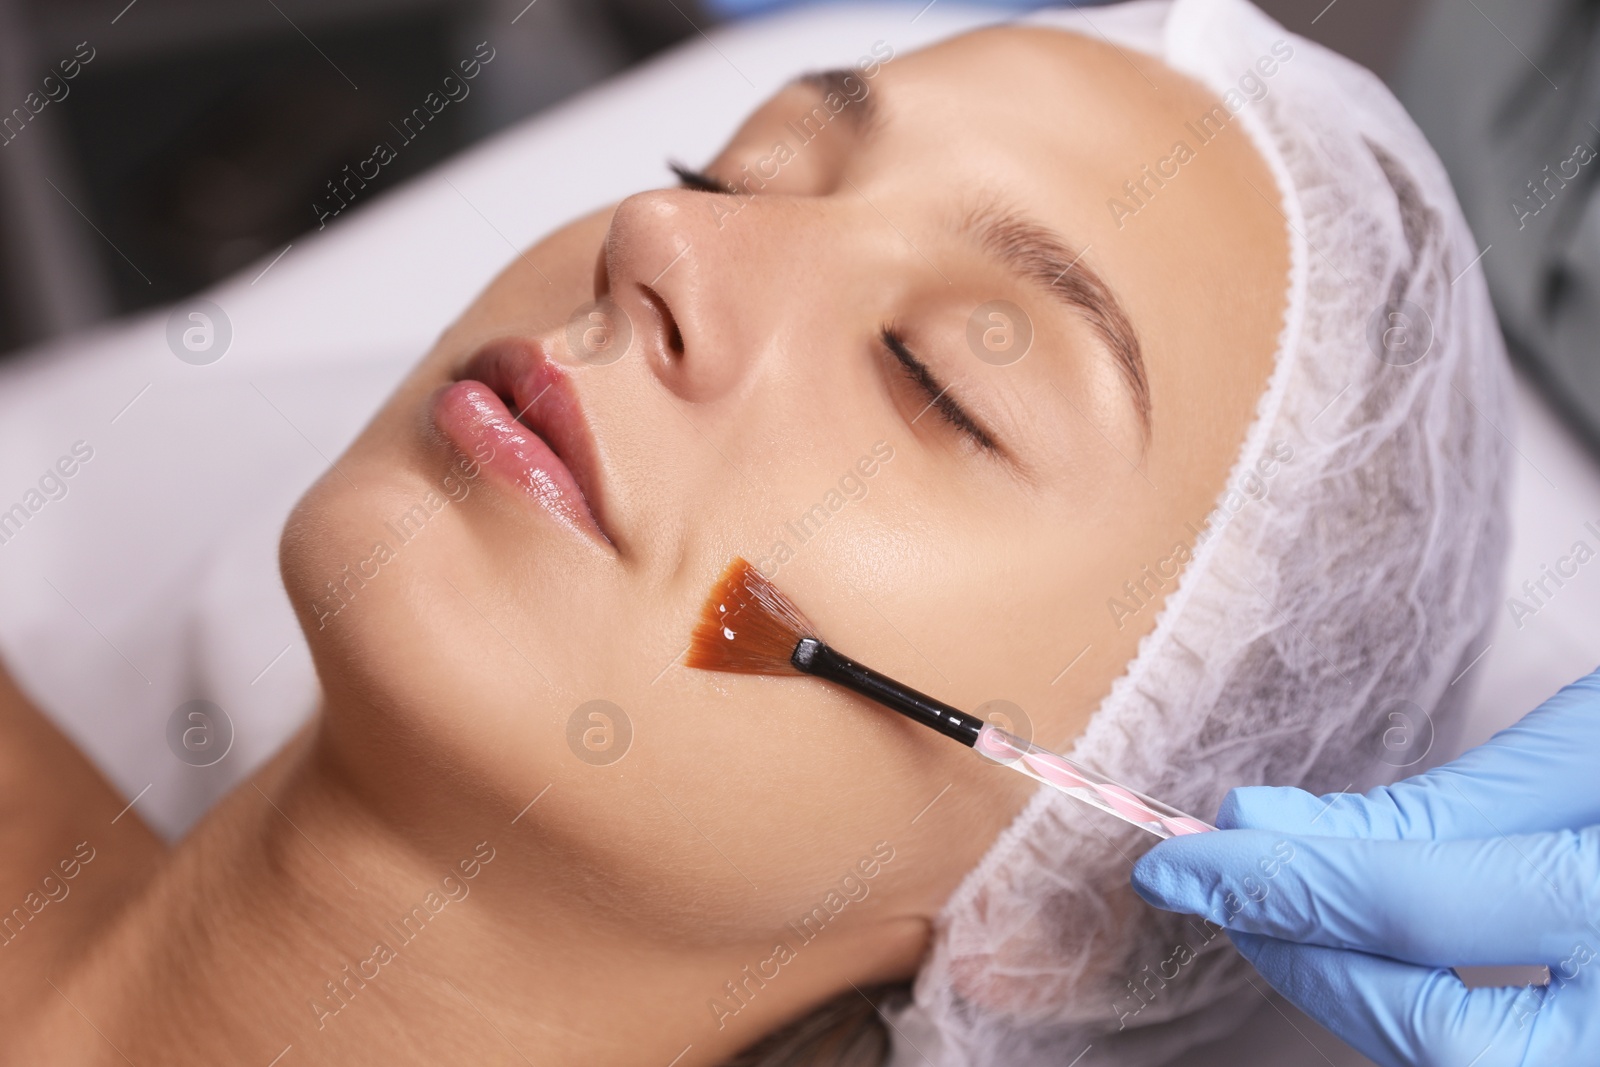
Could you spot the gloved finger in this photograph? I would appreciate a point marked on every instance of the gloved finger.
(1401, 1014)
(1533, 776)
(1519, 900)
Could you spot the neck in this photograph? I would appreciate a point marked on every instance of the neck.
(296, 922)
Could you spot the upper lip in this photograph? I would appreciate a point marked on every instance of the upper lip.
(541, 397)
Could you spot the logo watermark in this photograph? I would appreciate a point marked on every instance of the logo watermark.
(1407, 732)
(51, 485)
(1008, 716)
(1147, 983)
(999, 333)
(598, 333)
(53, 89)
(199, 332)
(599, 732)
(1542, 191)
(1144, 588)
(1400, 333)
(199, 733)
(839, 93)
(1552, 578)
(453, 89)
(403, 529)
(851, 488)
(739, 991)
(339, 992)
(1251, 87)
(53, 889)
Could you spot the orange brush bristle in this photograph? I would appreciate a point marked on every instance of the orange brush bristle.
(747, 625)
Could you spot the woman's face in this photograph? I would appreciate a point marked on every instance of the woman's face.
(953, 515)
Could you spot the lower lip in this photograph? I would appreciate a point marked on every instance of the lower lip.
(479, 424)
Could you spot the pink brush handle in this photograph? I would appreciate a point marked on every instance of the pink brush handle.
(1080, 783)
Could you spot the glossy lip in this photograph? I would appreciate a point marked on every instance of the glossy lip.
(510, 401)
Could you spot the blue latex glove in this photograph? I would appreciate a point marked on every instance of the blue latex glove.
(1355, 907)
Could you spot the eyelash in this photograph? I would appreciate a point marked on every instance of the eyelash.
(698, 180)
(938, 396)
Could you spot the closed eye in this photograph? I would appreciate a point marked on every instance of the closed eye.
(938, 395)
(698, 180)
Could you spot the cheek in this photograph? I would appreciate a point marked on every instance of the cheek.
(795, 783)
(976, 598)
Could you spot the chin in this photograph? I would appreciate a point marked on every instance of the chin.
(410, 567)
(364, 536)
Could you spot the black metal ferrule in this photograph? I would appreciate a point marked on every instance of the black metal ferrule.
(817, 659)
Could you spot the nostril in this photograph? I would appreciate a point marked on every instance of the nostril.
(674, 337)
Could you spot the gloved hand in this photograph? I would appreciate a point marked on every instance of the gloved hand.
(1355, 907)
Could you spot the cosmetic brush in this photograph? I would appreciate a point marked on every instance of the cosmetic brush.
(748, 626)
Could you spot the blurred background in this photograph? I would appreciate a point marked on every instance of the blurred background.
(196, 135)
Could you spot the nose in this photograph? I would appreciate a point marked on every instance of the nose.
(673, 274)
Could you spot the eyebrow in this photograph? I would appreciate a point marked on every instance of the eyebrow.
(1028, 249)
(1039, 255)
